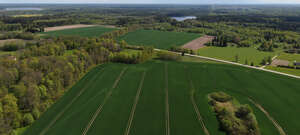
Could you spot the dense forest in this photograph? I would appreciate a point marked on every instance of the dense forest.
(42, 69)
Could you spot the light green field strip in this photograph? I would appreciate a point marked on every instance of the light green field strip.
(108, 95)
(137, 97)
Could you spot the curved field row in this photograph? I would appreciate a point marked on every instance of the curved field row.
(181, 89)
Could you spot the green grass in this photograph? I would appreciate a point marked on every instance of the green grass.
(158, 39)
(229, 53)
(20, 131)
(83, 32)
(278, 94)
(285, 70)
(194, 59)
(289, 57)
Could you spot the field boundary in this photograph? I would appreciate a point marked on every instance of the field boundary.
(233, 63)
(99, 109)
(199, 117)
(135, 104)
(67, 107)
(167, 101)
(275, 123)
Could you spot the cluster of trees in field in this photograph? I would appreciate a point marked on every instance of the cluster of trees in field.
(234, 119)
(43, 71)
(168, 56)
(134, 58)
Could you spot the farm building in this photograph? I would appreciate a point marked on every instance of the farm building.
(283, 63)
(297, 64)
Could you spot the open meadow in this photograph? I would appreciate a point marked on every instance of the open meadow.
(93, 31)
(230, 53)
(158, 39)
(157, 97)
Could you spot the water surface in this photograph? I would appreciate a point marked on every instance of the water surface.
(182, 18)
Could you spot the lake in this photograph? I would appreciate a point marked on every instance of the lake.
(182, 18)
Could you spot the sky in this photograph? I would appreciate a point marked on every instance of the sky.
(160, 1)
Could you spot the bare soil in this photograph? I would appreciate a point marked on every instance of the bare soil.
(198, 43)
(278, 62)
(67, 27)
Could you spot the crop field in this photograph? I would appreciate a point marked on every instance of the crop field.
(229, 53)
(83, 32)
(167, 98)
(159, 39)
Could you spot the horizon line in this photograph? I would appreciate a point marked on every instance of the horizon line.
(85, 3)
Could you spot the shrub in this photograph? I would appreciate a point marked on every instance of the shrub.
(243, 111)
(167, 56)
(12, 46)
(220, 96)
(28, 119)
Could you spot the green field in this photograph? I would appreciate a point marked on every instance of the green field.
(289, 57)
(285, 70)
(229, 53)
(106, 95)
(83, 32)
(158, 39)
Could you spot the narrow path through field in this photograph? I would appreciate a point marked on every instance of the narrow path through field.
(127, 131)
(167, 101)
(275, 123)
(66, 108)
(200, 119)
(108, 95)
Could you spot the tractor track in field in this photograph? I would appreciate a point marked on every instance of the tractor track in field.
(99, 109)
(135, 104)
(167, 101)
(199, 117)
(275, 123)
(65, 109)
